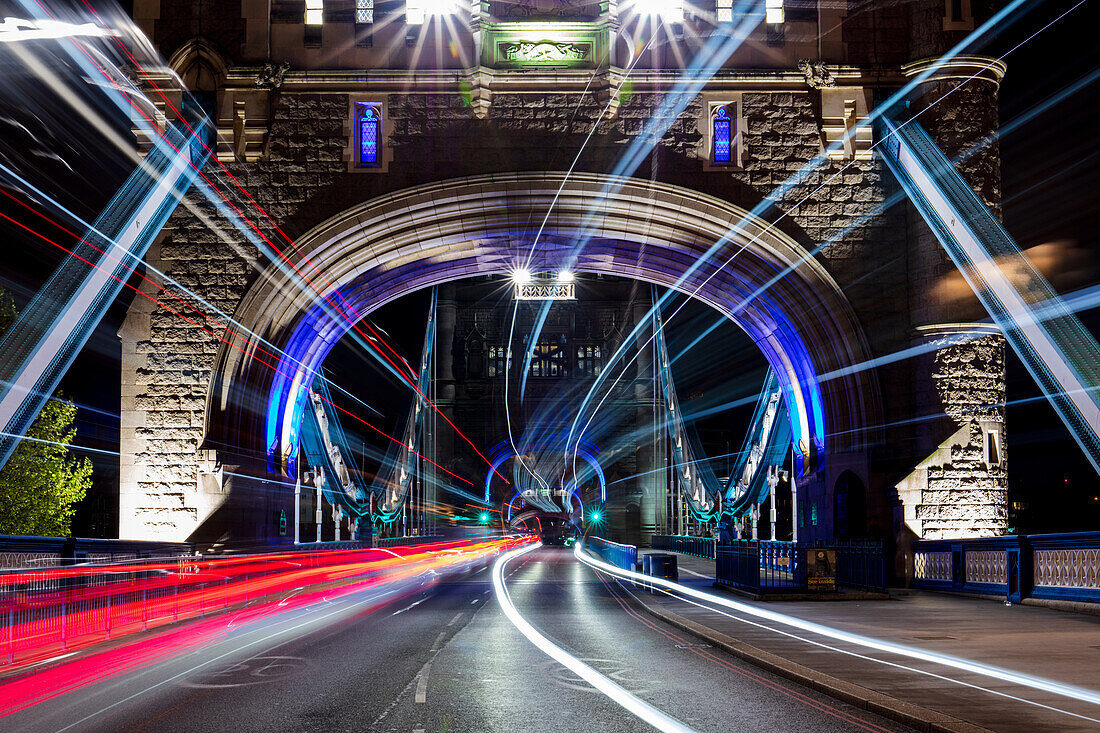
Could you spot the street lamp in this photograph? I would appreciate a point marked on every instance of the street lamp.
(671, 11)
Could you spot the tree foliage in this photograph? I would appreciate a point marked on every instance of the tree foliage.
(42, 480)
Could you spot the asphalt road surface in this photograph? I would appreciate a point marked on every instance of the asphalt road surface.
(444, 657)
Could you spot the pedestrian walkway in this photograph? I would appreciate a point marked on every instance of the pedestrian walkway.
(1044, 643)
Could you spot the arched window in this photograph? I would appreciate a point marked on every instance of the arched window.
(723, 135)
(368, 136)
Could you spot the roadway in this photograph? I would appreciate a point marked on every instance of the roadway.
(444, 657)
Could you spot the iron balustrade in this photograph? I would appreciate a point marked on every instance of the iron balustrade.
(764, 566)
(48, 611)
(687, 545)
(410, 540)
(613, 553)
(1049, 566)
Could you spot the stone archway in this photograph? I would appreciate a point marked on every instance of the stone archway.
(449, 230)
(379, 250)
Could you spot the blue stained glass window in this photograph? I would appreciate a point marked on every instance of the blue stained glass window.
(368, 137)
(364, 11)
(722, 127)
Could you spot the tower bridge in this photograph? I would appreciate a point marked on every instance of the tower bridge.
(470, 159)
(457, 279)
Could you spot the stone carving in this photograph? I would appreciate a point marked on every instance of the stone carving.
(817, 76)
(541, 52)
(271, 76)
(986, 566)
(545, 9)
(1068, 568)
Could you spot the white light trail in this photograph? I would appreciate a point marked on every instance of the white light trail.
(986, 670)
(22, 29)
(646, 712)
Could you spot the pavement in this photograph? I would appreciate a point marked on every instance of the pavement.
(444, 657)
(1045, 643)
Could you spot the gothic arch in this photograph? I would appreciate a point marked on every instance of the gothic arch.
(379, 250)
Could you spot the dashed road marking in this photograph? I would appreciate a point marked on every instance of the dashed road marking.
(406, 608)
(697, 575)
(455, 619)
(422, 683)
(438, 641)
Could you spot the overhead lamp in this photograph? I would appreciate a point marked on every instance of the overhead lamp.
(773, 12)
(671, 11)
(417, 11)
(521, 276)
(565, 276)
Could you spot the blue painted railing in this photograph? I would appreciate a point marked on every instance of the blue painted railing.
(411, 540)
(613, 553)
(780, 567)
(22, 551)
(1049, 566)
(697, 546)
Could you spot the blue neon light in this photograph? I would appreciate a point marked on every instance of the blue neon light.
(722, 129)
(368, 137)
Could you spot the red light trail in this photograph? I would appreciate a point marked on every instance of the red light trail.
(60, 611)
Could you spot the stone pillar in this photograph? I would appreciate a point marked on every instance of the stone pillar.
(961, 489)
(959, 486)
(442, 435)
(644, 394)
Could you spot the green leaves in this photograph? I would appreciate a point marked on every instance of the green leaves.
(42, 480)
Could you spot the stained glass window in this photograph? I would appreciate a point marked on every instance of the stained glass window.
(589, 360)
(498, 361)
(723, 9)
(549, 360)
(723, 127)
(368, 136)
(364, 11)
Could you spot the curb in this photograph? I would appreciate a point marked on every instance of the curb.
(906, 713)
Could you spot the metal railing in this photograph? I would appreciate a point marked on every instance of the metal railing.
(697, 546)
(613, 553)
(768, 566)
(410, 540)
(1049, 566)
(48, 611)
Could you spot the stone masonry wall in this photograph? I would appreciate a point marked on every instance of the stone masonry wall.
(169, 484)
(967, 496)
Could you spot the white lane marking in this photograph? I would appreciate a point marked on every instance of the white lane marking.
(422, 683)
(406, 608)
(418, 730)
(657, 718)
(867, 657)
(473, 601)
(697, 575)
(455, 619)
(1005, 675)
(44, 661)
(438, 641)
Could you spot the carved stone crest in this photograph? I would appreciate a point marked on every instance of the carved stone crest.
(817, 75)
(271, 76)
(543, 52)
